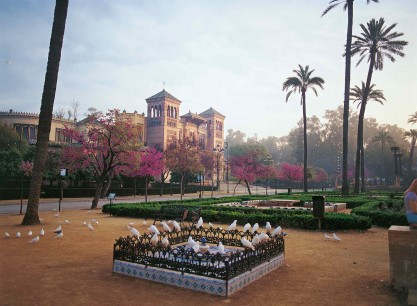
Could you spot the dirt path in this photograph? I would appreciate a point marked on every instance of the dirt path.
(77, 269)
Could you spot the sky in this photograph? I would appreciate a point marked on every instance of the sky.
(230, 55)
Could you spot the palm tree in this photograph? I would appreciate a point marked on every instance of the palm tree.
(348, 4)
(384, 138)
(375, 43)
(301, 83)
(45, 116)
(356, 95)
(412, 135)
(413, 118)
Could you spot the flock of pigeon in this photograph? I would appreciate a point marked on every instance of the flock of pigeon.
(195, 245)
(59, 233)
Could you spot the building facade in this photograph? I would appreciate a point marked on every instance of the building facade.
(161, 123)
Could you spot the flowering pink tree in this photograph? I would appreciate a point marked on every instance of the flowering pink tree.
(151, 164)
(104, 148)
(267, 172)
(26, 167)
(320, 175)
(244, 168)
(291, 172)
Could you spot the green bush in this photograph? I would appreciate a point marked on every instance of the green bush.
(384, 212)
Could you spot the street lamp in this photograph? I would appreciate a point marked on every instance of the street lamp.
(396, 151)
(218, 150)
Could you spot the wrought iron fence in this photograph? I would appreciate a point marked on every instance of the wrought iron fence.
(178, 257)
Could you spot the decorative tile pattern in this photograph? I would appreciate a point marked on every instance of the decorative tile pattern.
(197, 282)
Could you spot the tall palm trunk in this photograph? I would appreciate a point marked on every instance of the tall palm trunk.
(359, 147)
(383, 159)
(45, 116)
(411, 156)
(303, 95)
(345, 183)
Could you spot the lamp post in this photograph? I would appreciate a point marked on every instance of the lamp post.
(395, 151)
(218, 150)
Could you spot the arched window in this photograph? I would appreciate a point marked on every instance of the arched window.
(175, 112)
(160, 111)
(152, 112)
(168, 111)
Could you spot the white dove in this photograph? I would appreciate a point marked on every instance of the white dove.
(144, 222)
(247, 243)
(60, 235)
(96, 222)
(42, 233)
(165, 242)
(211, 225)
(6, 235)
(30, 233)
(18, 235)
(66, 221)
(166, 226)
(196, 247)
(34, 240)
(154, 229)
(134, 232)
(191, 241)
(200, 222)
(336, 238)
(154, 239)
(58, 229)
(56, 215)
(327, 237)
(255, 240)
(268, 227)
(176, 226)
(232, 226)
(255, 228)
(263, 237)
(90, 227)
(131, 223)
(84, 223)
(277, 231)
(247, 227)
(220, 247)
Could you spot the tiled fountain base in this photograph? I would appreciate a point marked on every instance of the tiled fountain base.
(197, 282)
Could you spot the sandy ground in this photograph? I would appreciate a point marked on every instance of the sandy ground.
(77, 269)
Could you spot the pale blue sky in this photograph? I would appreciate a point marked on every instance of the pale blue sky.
(229, 55)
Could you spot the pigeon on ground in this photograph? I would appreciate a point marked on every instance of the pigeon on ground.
(96, 222)
(246, 243)
(247, 227)
(166, 226)
(6, 235)
(60, 235)
(255, 228)
(336, 238)
(277, 231)
(268, 227)
(211, 225)
(56, 215)
(84, 223)
(176, 226)
(131, 223)
(154, 239)
(34, 240)
(42, 233)
(200, 222)
(220, 247)
(232, 226)
(327, 237)
(18, 235)
(154, 229)
(30, 233)
(134, 232)
(66, 221)
(58, 229)
(165, 242)
(90, 227)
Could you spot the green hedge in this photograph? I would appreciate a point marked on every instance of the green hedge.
(384, 212)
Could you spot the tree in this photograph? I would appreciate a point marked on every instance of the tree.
(151, 164)
(45, 116)
(244, 168)
(182, 156)
(413, 118)
(291, 172)
(106, 147)
(375, 43)
(10, 138)
(208, 160)
(267, 172)
(75, 105)
(412, 135)
(348, 4)
(357, 95)
(383, 138)
(302, 83)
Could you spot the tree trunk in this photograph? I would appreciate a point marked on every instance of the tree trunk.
(45, 116)
(247, 186)
(106, 186)
(234, 190)
(411, 156)
(182, 179)
(146, 189)
(362, 168)
(100, 183)
(345, 183)
(212, 185)
(161, 192)
(303, 93)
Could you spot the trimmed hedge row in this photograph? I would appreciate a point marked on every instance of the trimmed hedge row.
(383, 212)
